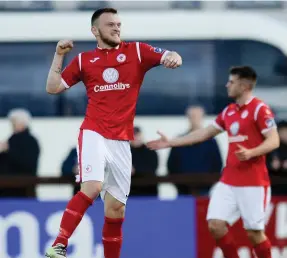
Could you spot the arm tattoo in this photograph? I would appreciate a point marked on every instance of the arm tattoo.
(58, 70)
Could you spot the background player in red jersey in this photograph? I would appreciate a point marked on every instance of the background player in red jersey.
(244, 188)
(112, 74)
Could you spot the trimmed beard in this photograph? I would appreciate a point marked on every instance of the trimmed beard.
(107, 41)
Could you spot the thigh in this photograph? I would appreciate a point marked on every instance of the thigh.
(222, 204)
(91, 156)
(118, 174)
(253, 203)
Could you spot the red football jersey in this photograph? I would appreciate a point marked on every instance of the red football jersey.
(112, 78)
(245, 126)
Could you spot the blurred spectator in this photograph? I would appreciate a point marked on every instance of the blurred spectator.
(70, 167)
(19, 155)
(277, 160)
(204, 157)
(144, 164)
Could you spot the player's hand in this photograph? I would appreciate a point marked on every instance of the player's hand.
(160, 143)
(172, 60)
(64, 46)
(243, 153)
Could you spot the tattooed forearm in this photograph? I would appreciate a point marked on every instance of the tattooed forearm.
(54, 76)
(58, 70)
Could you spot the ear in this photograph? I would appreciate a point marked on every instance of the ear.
(95, 31)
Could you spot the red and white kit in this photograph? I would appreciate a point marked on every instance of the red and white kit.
(112, 78)
(244, 188)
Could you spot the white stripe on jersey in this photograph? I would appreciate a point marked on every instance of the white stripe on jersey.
(138, 51)
(224, 112)
(257, 110)
(80, 61)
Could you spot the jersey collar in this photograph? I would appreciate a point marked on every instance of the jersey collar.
(249, 101)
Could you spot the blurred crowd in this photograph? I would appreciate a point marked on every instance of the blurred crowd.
(19, 155)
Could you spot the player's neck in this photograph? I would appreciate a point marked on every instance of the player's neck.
(244, 99)
(102, 45)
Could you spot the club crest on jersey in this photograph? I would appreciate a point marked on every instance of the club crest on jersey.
(88, 169)
(110, 75)
(121, 58)
(234, 128)
(244, 114)
(158, 50)
(270, 122)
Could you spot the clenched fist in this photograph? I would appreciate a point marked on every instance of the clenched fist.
(64, 46)
(172, 60)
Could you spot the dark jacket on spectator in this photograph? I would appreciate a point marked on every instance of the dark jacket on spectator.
(68, 167)
(22, 155)
(199, 158)
(21, 159)
(69, 163)
(144, 160)
(145, 163)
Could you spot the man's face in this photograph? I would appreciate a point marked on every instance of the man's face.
(235, 87)
(13, 124)
(138, 140)
(195, 116)
(108, 28)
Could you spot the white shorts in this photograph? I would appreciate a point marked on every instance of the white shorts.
(107, 161)
(229, 203)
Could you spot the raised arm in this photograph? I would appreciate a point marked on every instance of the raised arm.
(194, 137)
(54, 83)
(150, 57)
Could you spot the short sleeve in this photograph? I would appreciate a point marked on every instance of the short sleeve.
(219, 121)
(71, 75)
(264, 118)
(150, 56)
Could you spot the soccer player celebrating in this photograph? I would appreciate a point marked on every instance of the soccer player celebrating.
(112, 74)
(244, 188)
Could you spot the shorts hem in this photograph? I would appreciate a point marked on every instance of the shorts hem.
(91, 179)
(254, 228)
(229, 222)
(103, 193)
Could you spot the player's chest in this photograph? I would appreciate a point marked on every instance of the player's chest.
(239, 122)
(109, 67)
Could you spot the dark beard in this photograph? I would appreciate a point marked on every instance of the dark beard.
(107, 41)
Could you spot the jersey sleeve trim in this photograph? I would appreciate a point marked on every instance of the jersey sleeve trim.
(217, 126)
(138, 51)
(163, 56)
(223, 113)
(65, 84)
(257, 109)
(80, 61)
(266, 130)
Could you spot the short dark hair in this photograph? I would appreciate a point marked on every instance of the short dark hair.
(99, 12)
(244, 72)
